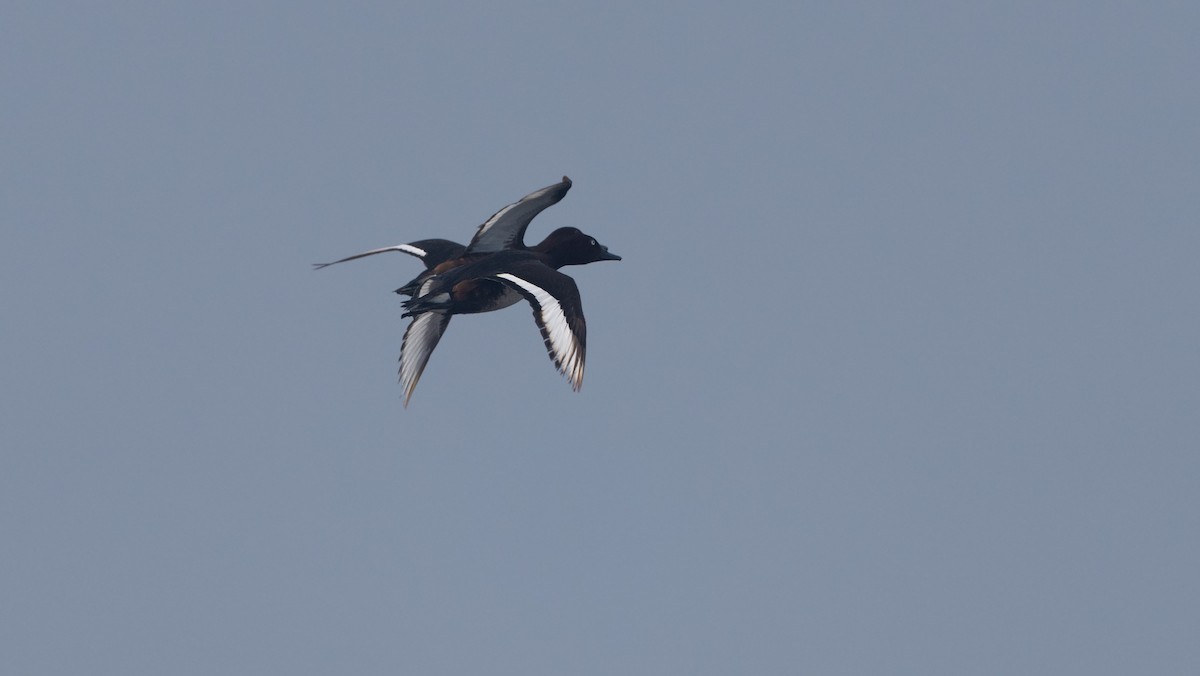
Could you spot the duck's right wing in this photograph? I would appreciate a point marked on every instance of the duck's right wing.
(421, 336)
(558, 313)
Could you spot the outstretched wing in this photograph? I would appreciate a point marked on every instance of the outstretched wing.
(430, 251)
(506, 228)
(421, 336)
(558, 313)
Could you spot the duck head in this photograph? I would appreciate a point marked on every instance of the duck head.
(571, 246)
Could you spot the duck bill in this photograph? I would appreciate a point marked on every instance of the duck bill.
(609, 256)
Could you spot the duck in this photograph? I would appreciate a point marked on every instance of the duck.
(493, 271)
(497, 281)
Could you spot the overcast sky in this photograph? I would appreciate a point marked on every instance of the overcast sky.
(898, 375)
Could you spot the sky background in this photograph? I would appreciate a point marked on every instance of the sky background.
(898, 375)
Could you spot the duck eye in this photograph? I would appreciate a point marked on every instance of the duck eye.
(593, 242)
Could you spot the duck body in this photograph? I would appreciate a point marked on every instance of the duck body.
(499, 280)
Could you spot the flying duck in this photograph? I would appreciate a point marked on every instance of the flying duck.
(496, 270)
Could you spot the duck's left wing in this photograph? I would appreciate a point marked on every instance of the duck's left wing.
(558, 313)
(430, 251)
(506, 228)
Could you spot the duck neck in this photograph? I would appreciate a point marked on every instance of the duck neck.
(548, 257)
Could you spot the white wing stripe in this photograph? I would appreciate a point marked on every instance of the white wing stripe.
(495, 217)
(405, 248)
(560, 340)
(416, 251)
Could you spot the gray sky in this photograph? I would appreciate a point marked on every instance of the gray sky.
(899, 374)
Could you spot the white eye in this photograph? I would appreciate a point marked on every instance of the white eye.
(593, 242)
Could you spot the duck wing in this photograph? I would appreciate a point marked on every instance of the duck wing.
(558, 313)
(506, 228)
(430, 251)
(421, 336)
